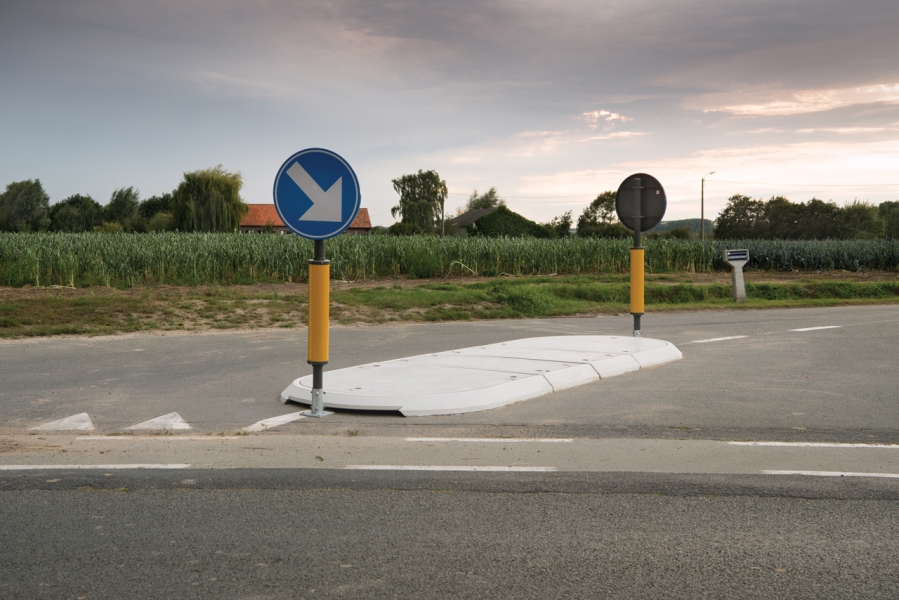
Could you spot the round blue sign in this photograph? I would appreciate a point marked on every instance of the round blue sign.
(317, 194)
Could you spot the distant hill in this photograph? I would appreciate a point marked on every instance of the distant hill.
(691, 224)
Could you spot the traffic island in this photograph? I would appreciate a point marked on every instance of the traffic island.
(483, 377)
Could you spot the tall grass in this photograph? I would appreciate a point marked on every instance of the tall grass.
(197, 258)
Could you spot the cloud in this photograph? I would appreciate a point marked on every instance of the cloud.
(806, 101)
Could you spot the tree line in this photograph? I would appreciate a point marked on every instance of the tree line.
(205, 200)
(777, 218)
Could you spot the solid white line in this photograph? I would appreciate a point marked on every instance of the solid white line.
(815, 445)
(100, 467)
(733, 337)
(272, 422)
(832, 474)
(160, 438)
(449, 468)
(817, 328)
(492, 440)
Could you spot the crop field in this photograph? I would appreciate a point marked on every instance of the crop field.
(132, 260)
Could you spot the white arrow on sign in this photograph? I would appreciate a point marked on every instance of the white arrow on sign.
(326, 206)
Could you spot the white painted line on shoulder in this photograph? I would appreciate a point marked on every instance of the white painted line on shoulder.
(448, 468)
(493, 440)
(815, 445)
(832, 474)
(168, 422)
(272, 422)
(79, 422)
(97, 467)
(721, 339)
(817, 328)
(158, 438)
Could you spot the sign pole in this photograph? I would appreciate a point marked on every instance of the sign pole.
(637, 261)
(319, 305)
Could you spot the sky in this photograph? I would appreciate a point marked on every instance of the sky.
(551, 102)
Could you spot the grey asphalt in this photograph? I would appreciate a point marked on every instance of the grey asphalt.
(305, 534)
(326, 532)
(833, 384)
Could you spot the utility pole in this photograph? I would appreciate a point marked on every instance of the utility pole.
(702, 213)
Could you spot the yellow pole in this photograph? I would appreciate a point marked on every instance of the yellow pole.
(637, 281)
(319, 292)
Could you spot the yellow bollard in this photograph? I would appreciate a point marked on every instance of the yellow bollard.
(319, 292)
(636, 281)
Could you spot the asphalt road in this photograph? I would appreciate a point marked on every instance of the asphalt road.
(830, 384)
(325, 533)
(652, 491)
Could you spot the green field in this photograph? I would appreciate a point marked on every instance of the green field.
(132, 260)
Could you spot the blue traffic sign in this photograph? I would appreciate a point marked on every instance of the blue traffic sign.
(316, 194)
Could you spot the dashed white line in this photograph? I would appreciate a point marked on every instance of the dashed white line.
(817, 328)
(98, 467)
(493, 440)
(272, 422)
(815, 445)
(165, 422)
(721, 339)
(833, 474)
(79, 422)
(447, 468)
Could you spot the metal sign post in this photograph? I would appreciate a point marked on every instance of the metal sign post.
(640, 204)
(317, 196)
(737, 259)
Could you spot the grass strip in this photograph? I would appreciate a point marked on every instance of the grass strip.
(194, 309)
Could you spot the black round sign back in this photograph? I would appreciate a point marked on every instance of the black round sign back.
(652, 202)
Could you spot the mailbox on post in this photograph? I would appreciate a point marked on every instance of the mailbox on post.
(737, 259)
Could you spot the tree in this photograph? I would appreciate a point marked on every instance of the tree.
(122, 208)
(599, 218)
(489, 199)
(76, 214)
(24, 206)
(422, 199)
(889, 212)
(861, 221)
(209, 200)
(154, 205)
(743, 218)
(561, 225)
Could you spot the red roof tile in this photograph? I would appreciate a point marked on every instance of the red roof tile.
(261, 215)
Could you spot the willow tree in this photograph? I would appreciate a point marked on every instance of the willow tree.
(422, 200)
(209, 200)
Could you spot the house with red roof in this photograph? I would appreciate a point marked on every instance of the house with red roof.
(264, 217)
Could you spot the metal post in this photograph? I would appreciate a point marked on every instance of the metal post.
(319, 292)
(702, 214)
(637, 261)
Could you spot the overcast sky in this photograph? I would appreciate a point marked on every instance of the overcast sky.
(551, 102)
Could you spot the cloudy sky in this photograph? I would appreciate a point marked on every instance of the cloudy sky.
(551, 102)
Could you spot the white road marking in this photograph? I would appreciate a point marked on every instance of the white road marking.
(733, 337)
(99, 467)
(815, 445)
(79, 422)
(492, 440)
(168, 422)
(832, 474)
(161, 438)
(272, 422)
(448, 468)
(817, 328)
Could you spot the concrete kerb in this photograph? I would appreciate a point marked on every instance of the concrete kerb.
(483, 377)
